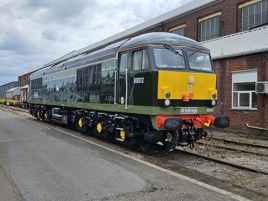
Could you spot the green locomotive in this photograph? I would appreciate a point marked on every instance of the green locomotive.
(156, 87)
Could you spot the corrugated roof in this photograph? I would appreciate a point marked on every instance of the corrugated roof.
(25, 87)
(239, 44)
(13, 89)
(178, 12)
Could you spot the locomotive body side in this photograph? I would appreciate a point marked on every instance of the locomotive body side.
(150, 88)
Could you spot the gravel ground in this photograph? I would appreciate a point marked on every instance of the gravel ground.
(255, 181)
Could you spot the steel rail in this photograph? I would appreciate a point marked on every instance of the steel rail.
(241, 143)
(225, 162)
(236, 149)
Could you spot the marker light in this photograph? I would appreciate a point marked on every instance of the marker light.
(214, 96)
(191, 80)
(167, 102)
(213, 102)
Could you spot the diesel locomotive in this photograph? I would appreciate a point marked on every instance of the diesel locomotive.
(155, 87)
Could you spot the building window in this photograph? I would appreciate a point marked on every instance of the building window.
(244, 96)
(254, 13)
(179, 30)
(210, 28)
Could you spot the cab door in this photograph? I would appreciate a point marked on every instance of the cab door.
(135, 78)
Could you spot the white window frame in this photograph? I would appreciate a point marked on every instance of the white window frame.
(240, 77)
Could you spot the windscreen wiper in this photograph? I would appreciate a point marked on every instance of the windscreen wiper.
(172, 49)
(193, 52)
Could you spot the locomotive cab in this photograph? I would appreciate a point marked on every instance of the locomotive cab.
(175, 78)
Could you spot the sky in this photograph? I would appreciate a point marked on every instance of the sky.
(36, 32)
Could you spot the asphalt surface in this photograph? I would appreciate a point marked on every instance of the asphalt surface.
(40, 163)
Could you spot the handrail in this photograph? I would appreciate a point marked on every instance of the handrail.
(126, 96)
(115, 86)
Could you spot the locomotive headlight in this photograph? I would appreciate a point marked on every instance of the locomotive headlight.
(167, 95)
(191, 80)
(213, 102)
(167, 102)
(214, 96)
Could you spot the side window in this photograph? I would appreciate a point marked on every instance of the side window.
(140, 60)
(123, 62)
(137, 60)
(36, 83)
(145, 60)
(89, 78)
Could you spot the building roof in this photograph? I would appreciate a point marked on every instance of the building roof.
(13, 89)
(176, 13)
(14, 83)
(25, 87)
(239, 44)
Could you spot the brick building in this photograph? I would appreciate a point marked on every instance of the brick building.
(23, 83)
(240, 60)
(236, 33)
(239, 64)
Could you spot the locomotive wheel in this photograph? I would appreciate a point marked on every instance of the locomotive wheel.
(145, 146)
(137, 143)
(102, 132)
(46, 117)
(80, 126)
(132, 143)
(38, 115)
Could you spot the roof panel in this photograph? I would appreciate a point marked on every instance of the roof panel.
(239, 44)
(161, 38)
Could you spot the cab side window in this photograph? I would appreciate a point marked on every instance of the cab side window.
(140, 60)
(123, 62)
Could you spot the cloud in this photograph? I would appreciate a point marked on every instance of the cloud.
(35, 32)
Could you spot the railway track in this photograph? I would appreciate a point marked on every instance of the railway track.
(236, 165)
(229, 152)
(232, 141)
(242, 147)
